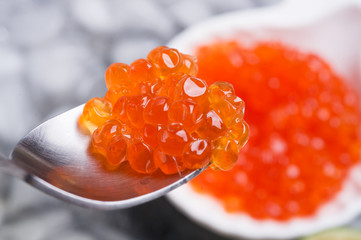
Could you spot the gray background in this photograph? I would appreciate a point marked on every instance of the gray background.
(53, 55)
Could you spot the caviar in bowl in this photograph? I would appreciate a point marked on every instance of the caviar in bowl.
(329, 31)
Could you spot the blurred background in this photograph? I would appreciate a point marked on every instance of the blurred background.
(53, 55)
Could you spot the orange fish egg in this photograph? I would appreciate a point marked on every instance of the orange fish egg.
(157, 114)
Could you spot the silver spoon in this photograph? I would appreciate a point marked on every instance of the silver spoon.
(54, 158)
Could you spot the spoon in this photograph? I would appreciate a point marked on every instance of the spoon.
(54, 158)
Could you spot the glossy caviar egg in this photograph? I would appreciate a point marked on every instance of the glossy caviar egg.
(172, 139)
(226, 111)
(140, 157)
(169, 164)
(150, 135)
(117, 150)
(112, 95)
(135, 107)
(187, 112)
(142, 70)
(160, 116)
(212, 126)
(225, 153)
(197, 154)
(239, 132)
(167, 60)
(189, 65)
(116, 74)
(103, 135)
(96, 112)
(119, 110)
(170, 84)
(239, 104)
(156, 111)
(221, 90)
(225, 102)
(192, 88)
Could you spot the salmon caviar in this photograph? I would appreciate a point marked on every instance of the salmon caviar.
(157, 114)
(305, 129)
(96, 112)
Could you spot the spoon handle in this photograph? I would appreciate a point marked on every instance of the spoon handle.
(7, 166)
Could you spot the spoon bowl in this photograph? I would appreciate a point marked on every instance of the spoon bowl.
(54, 157)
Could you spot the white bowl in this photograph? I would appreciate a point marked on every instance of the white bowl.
(329, 28)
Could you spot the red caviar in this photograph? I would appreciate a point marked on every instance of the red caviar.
(157, 115)
(305, 130)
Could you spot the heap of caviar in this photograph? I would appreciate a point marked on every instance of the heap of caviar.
(305, 130)
(157, 115)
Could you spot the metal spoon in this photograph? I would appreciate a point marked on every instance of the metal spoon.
(54, 158)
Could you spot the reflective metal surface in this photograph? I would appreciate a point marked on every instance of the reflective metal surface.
(54, 158)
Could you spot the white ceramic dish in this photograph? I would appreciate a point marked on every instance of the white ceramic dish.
(329, 28)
